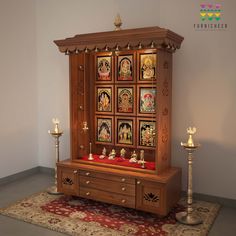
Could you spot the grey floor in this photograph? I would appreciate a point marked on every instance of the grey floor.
(225, 224)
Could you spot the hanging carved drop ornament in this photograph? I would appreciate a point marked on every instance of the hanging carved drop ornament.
(151, 197)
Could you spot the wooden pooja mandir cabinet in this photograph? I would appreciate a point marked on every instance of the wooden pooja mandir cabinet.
(120, 98)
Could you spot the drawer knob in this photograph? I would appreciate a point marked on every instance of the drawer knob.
(88, 193)
(123, 189)
(75, 171)
(123, 201)
(81, 67)
(138, 182)
(87, 173)
(87, 182)
(123, 179)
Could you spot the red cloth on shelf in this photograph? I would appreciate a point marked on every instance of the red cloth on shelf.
(118, 161)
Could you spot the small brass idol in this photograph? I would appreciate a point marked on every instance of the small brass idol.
(104, 152)
(112, 154)
(122, 153)
(189, 217)
(134, 157)
(85, 126)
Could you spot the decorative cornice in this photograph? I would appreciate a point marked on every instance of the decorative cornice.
(155, 37)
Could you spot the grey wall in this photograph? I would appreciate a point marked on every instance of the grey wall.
(18, 87)
(203, 81)
(204, 94)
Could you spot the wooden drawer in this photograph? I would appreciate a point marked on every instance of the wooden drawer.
(117, 178)
(104, 184)
(103, 196)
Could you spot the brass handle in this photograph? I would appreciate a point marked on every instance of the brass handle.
(75, 171)
(123, 189)
(81, 146)
(81, 67)
(87, 173)
(123, 200)
(87, 182)
(138, 182)
(88, 193)
(123, 179)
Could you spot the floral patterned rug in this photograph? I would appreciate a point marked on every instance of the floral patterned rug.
(78, 216)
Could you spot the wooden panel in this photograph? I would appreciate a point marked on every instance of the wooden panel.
(102, 184)
(164, 83)
(103, 196)
(117, 178)
(68, 181)
(173, 191)
(149, 196)
(74, 104)
(79, 103)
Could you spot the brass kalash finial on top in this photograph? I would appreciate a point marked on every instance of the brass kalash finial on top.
(118, 22)
(189, 217)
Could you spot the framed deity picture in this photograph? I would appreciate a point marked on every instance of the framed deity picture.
(146, 99)
(104, 130)
(146, 133)
(147, 66)
(125, 66)
(125, 131)
(104, 67)
(104, 99)
(125, 99)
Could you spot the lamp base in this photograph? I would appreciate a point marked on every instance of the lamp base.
(53, 191)
(188, 219)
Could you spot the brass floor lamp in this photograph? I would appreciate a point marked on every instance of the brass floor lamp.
(189, 217)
